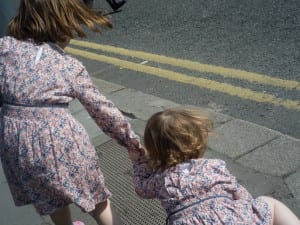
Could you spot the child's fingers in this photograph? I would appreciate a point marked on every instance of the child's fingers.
(135, 155)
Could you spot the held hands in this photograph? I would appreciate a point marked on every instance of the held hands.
(135, 155)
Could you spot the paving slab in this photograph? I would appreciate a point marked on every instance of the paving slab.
(84, 118)
(236, 137)
(218, 118)
(75, 106)
(12, 215)
(278, 157)
(138, 126)
(100, 139)
(257, 184)
(106, 87)
(293, 182)
(138, 104)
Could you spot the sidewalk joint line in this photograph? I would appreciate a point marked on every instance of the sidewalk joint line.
(128, 114)
(290, 173)
(115, 91)
(252, 150)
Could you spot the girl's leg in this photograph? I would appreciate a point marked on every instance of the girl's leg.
(62, 216)
(104, 214)
(282, 215)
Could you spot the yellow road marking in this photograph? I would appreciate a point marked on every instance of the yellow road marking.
(196, 66)
(200, 82)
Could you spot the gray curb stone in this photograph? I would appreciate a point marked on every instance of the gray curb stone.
(236, 137)
(138, 104)
(293, 181)
(279, 157)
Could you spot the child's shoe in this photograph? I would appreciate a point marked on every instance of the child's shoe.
(78, 223)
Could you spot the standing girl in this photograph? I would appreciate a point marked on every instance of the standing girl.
(194, 190)
(47, 156)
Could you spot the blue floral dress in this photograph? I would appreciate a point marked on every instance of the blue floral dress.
(200, 191)
(46, 154)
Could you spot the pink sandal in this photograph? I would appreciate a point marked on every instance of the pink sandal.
(78, 223)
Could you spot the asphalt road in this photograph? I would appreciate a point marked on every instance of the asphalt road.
(261, 37)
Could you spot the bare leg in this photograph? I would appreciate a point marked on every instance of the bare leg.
(62, 216)
(104, 214)
(282, 215)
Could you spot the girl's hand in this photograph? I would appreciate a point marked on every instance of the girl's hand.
(135, 155)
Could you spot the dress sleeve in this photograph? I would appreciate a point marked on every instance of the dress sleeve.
(104, 112)
(230, 183)
(242, 193)
(1, 83)
(2, 50)
(144, 180)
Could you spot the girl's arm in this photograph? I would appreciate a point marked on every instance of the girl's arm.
(231, 184)
(104, 112)
(144, 179)
(114, 124)
(237, 190)
(242, 193)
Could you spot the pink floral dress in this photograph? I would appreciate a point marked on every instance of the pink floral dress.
(46, 154)
(200, 191)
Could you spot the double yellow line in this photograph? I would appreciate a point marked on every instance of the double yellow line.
(229, 89)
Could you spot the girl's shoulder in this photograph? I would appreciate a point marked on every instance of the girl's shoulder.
(65, 60)
(197, 162)
(6, 43)
(208, 162)
(195, 169)
(197, 166)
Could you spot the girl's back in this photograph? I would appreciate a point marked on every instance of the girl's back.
(202, 191)
(35, 74)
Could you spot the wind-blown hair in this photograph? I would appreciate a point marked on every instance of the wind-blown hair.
(176, 135)
(54, 20)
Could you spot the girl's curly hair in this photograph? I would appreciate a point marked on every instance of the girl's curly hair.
(176, 135)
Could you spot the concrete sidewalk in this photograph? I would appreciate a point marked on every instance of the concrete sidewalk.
(265, 161)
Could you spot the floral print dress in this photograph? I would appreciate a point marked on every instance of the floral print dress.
(200, 191)
(47, 156)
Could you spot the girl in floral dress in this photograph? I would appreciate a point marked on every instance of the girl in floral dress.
(192, 189)
(47, 156)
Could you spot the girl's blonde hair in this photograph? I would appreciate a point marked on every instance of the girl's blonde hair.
(54, 20)
(176, 135)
